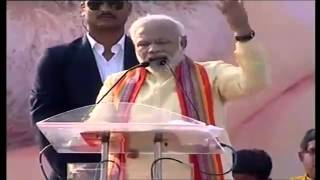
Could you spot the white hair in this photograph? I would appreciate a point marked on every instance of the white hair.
(154, 17)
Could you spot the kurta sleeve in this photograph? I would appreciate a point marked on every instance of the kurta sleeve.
(249, 77)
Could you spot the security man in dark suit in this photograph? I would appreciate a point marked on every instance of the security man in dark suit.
(70, 76)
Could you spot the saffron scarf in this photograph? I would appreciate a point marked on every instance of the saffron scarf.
(192, 83)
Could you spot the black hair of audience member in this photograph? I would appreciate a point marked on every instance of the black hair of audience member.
(252, 164)
(307, 153)
(309, 136)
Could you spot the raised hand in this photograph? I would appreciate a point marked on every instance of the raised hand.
(236, 16)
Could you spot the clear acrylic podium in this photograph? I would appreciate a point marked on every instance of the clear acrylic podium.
(124, 128)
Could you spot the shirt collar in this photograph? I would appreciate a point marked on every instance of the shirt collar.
(95, 45)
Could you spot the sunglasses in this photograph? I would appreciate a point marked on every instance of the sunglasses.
(114, 5)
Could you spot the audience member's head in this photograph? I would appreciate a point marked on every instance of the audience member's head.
(252, 164)
(307, 153)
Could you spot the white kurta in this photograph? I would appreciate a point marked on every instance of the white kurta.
(228, 82)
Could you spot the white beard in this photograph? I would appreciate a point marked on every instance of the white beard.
(177, 58)
(164, 72)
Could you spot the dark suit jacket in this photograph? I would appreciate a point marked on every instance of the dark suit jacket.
(67, 78)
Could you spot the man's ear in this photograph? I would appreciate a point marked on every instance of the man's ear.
(183, 42)
(300, 155)
(82, 6)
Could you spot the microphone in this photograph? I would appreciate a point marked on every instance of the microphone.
(162, 61)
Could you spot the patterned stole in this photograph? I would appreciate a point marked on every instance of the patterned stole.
(195, 86)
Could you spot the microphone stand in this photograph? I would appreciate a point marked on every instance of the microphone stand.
(105, 137)
(163, 61)
(144, 64)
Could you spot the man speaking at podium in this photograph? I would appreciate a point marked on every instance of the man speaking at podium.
(175, 82)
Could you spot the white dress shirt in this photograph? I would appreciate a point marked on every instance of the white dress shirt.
(115, 64)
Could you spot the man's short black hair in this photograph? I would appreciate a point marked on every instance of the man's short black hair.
(309, 136)
(253, 162)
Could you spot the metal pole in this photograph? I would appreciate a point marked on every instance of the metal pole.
(104, 156)
(158, 154)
